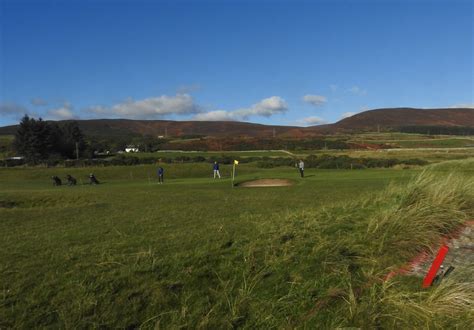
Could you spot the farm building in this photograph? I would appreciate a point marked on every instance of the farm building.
(131, 148)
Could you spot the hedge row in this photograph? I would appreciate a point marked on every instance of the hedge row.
(340, 162)
(312, 161)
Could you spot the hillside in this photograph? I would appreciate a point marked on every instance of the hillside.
(399, 117)
(372, 120)
(120, 127)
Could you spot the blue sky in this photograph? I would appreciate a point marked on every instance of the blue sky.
(278, 62)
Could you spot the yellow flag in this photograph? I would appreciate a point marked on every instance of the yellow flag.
(236, 162)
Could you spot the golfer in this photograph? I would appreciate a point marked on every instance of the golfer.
(301, 168)
(216, 170)
(161, 174)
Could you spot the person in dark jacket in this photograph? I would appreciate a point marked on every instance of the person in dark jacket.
(71, 181)
(56, 180)
(216, 170)
(161, 175)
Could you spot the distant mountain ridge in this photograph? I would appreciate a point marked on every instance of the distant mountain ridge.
(372, 120)
(399, 117)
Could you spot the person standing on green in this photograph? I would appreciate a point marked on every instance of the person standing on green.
(161, 175)
(301, 168)
(216, 170)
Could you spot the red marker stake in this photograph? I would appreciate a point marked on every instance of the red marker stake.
(435, 266)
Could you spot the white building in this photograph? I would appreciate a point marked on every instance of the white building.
(131, 149)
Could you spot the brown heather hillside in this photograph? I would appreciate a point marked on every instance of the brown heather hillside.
(400, 117)
(384, 119)
(119, 127)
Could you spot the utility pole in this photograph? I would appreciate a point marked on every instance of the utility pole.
(77, 150)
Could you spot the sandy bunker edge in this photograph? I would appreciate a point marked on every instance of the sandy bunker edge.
(266, 183)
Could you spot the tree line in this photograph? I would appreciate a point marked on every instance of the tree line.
(438, 130)
(37, 140)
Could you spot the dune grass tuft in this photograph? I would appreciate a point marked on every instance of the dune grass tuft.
(414, 216)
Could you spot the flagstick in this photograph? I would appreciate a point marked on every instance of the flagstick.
(233, 174)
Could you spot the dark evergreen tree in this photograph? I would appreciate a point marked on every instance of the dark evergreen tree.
(33, 139)
(70, 135)
(38, 140)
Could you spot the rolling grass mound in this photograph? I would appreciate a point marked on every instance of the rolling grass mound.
(266, 183)
(40, 202)
(465, 166)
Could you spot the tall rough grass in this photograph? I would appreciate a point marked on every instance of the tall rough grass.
(449, 304)
(413, 217)
(358, 243)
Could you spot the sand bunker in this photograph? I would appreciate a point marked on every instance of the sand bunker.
(267, 183)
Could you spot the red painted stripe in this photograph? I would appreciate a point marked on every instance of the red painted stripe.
(422, 257)
(435, 266)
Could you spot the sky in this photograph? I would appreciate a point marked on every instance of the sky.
(272, 62)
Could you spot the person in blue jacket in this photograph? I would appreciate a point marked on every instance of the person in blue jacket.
(216, 170)
(161, 174)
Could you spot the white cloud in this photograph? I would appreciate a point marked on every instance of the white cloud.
(38, 101)
(62, 113)
(352, 113)
(12, 109)
(156, 106)
(98, 110)
(266, 108)
(218, 115)
(348, 114)
(356, 90)
(152, 107)
(316, 100)
(333, 87)
(311, 121)
(463, 105)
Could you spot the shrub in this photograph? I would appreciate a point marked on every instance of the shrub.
(346, 162)
(125, 160)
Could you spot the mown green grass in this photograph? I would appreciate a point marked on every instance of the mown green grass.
(6, 139)
(405, 140)
(395, 137)
(430, 155)
(6, 149)
(196, 252)
(384, 136)
(427, 143)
